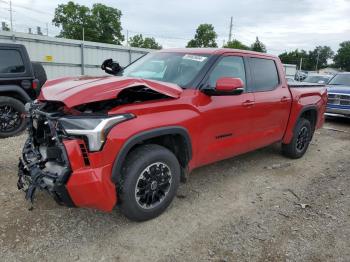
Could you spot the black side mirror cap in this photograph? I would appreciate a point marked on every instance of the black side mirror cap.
(214, 92)
(111, 67)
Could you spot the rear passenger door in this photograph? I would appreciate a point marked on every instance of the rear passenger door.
(272, 101)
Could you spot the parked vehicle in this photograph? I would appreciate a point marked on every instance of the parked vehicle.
(291, 80)
(339, 95)
(301, 75)
(129, 139)
(20, 82)
(317, 78)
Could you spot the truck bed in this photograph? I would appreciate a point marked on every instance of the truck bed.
(303, 84)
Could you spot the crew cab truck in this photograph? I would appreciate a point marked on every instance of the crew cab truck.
(20, 82)
(129, 139)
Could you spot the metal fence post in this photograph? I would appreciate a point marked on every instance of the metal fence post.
(82, 59)
(129, 51)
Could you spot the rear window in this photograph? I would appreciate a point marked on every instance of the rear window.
(265, 74)
(11, 62)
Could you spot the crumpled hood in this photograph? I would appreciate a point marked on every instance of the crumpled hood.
(338, 89)
(73, 91)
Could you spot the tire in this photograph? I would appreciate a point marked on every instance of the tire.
(135, 182)
(303, 133)
(10, 109)
(39, 73)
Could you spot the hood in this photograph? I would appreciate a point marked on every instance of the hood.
(340, 89)
(73, 91)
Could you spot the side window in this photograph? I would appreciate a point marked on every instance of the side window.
(264, 73)
(228, 66)
(11, 62)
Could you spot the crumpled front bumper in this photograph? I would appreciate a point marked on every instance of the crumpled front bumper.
(62, 166)
(34, 173)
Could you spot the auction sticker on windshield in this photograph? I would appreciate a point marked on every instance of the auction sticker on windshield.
(195, 57)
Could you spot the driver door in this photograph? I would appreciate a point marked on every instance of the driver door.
(226, 120)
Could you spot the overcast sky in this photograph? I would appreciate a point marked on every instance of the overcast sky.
(280, 24)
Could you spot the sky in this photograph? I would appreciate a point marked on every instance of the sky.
(281, 25)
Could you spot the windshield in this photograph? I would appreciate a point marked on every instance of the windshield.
(316, 79)
(177, 68)
(341, 79)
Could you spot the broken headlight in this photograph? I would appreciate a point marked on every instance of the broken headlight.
(94, 128)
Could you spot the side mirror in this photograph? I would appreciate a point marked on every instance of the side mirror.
(111, 67)
(226, 86)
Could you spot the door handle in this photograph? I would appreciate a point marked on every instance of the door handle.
(284, 99)
(248, 103)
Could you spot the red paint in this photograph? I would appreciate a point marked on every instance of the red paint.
(76, 91)
(89, 186)
(227, 84)
(247, 121)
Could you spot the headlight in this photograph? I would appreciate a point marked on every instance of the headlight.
(94, 128)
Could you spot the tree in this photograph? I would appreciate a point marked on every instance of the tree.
(294, 58)
(236, 45)
(148, 42)
(205, 37)
(5, 27)
(342, 58)
(309, 59)
(318, 58)
(258, 46)
(101, 23)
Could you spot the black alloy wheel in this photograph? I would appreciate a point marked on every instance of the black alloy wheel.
(12, 117)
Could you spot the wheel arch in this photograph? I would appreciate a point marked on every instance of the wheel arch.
(175, 138)
(15, 92)
(310, 113)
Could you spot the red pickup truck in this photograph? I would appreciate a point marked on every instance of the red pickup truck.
(130, 139)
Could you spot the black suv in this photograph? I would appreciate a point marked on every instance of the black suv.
(20, 82)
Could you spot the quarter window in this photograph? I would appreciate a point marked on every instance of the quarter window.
(11, 62)
(228, 66)
(265, 74)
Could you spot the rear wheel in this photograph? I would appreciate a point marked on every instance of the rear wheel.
(300, 141)
(12, 117)
(149, 182)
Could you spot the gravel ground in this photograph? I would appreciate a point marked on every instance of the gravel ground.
(256, 207)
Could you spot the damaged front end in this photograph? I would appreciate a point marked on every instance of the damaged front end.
(61, 156)
(44, 163)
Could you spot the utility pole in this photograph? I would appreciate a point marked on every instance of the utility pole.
(11, 19)
(301, 63)
(318, 57)
(230, 33)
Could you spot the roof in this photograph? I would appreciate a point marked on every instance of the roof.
(213, 51)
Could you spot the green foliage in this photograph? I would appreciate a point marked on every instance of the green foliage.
(101, 23)
(147, 42)
(324, 53)
(236, 45)
(258, 46)
(342, 58)
(205, 37)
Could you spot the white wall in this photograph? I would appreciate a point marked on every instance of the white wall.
(63, 57)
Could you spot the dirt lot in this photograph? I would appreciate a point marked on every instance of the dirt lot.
(256, 207)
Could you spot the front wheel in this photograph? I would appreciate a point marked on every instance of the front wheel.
(12, 117)
(300, 141)
(150, 178)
